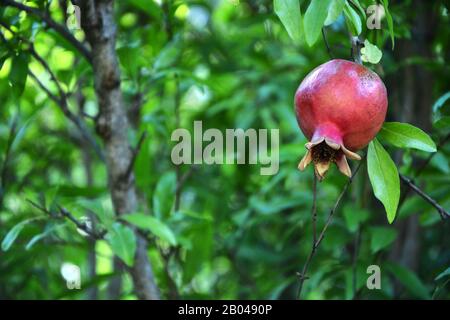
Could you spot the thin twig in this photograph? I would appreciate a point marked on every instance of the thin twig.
(324, 36)
(421, 169)
(98, 235)
(81, 225)
(442, 212)
(61, 29)
(135, 154)
(356, 243)
(302, 275)
(60, 101)
(314, 210)
(62, 104)
(357, 45)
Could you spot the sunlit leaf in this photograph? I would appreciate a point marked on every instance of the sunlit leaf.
(389, 21)
(290, 16)
(12, 235)
(384, 178)
(370, 53)
(314, 19)
(123, 242)
(334, 11)
(353, 20)
(405, 135)
(152, 224)
(18, 73)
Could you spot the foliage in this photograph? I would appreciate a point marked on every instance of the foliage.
(235, 233)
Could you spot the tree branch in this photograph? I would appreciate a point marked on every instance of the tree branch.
(98, 23)
(421, 168)
(357, 44)
(135, 154)
(443, 213)
(61, 29)
(60, 101)
(97, 235)
(316, 244)
(314, 210)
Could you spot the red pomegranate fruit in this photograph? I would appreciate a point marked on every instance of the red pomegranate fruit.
(340, 107)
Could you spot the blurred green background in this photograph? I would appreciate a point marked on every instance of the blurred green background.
(234, 234)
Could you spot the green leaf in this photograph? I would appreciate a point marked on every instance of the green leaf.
(354, 217)
(123, 242)
(152, 224)
(381, 237)
(169, 55)
(12, 235)
(358, 6)
(437, 114)
(334, 11)
(370, 53)
(41, 236)
(290, 16)
(404, 135)
(18, 73)
(389, 20)
(443, 274)
(103, 211)
(164, 194)
(439, 161)
(315, 17)
(353, 20)
(409, 280)
(384, 178)
(3, 59)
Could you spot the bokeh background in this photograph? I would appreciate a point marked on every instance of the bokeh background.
(221, 231)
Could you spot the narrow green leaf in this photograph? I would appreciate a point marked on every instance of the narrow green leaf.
(315, 17)
(3, 59)
(404, 135)
(443, 274)
(163, 195)
(18, 73)
(437, 113)
(357, 5)
(370, 53)
(384, 178)
(152, 224)
(41, 236)
(410, 281)
(12, 235)
(123, 242)
(381, 237)
(334, 11)
(389, 21)
(353, 20)
(290, 16)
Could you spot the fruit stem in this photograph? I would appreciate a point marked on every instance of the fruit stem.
(357, 45)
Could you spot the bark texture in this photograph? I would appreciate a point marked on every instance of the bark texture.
(111, 124)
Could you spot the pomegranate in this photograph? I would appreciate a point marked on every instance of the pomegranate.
(340, 107)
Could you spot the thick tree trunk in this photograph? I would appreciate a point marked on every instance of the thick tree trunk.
(112, 126)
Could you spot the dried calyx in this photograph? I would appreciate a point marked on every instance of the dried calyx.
(322, 152)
